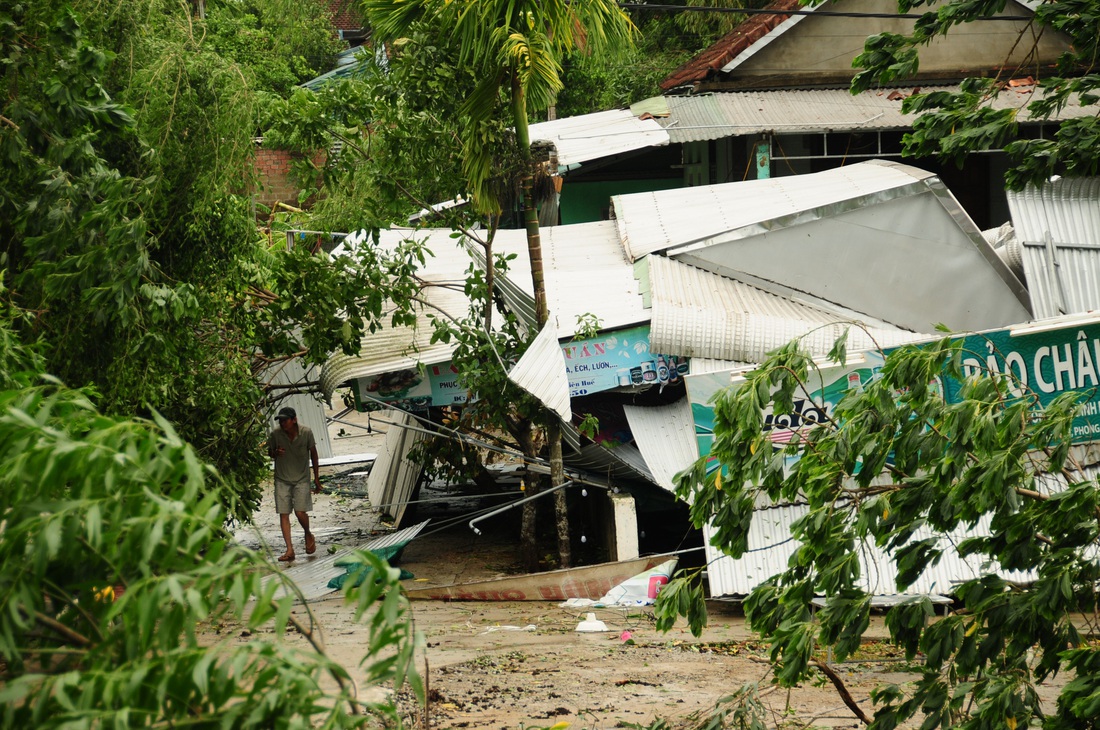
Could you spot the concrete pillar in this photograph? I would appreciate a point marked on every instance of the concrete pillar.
(623, 535)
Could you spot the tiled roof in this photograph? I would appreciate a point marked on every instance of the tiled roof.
(730, 45)
(345, 16)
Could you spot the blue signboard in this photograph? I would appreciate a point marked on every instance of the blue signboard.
(620, 359)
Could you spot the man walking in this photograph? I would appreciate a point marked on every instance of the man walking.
(293, 448)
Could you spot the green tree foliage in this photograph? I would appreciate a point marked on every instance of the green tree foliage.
(396, 128)
(128, 231)
(668, 36)
(710, 26)
(614, 80)
(953, 125)
(893, 458)
(278, 43)
(516, 50)
(117, 565)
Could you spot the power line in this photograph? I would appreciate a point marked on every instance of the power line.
(823, 13)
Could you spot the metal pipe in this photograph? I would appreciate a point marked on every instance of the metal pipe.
(518, 502)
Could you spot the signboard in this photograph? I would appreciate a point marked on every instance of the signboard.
(812, 405)
(620, 359)
(410, 389)
(1048, 359)
(446, 390)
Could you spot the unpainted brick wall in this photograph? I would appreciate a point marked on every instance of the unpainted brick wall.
(275, 184)
(344, 15)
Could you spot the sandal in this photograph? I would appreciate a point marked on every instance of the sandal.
(286, 557)
(311, 544)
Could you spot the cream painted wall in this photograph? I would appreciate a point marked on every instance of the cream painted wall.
(819, 48)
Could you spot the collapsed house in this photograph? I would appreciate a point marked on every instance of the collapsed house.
(686, 283)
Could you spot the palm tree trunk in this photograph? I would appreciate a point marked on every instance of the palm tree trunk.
(561, 501)
(528, 538)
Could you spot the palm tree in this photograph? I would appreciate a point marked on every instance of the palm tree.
(516, 47)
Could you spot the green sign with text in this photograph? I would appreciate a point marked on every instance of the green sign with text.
(1046, 358)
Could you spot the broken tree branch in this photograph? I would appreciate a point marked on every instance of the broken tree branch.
(842, 690)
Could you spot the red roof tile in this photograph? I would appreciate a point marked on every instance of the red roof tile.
(730, 45)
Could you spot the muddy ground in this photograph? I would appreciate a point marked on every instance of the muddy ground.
(522, 664)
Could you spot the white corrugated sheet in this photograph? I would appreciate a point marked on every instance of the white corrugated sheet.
(598, 464)
(391, 349)
(621, 462)
(603, 134)
(311, 574)
(311, 412)
(666, 438)
(393, 477)
(541, 372)
(700, 314)
(884, 240)
(1058, 226)
(586, 272)
(770, 547)
(700, 365)
(796, 111)
(661, 220)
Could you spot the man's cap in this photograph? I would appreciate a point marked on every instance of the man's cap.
(285, 413)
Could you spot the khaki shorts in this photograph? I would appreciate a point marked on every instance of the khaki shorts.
(291, 497)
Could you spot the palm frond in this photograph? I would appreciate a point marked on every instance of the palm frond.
(522, 40)
(536, 67)
(393, 19)
(479, 109)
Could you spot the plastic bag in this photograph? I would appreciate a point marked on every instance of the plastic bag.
(642, 589)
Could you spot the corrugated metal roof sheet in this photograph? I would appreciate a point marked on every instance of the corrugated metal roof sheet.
(770, 547)
(390, 349)
(586, 272)
(600, 465)
(588, 137)
(1059, 227)
(700, 314)
(796, 111)
(622, 462)
(700, 365)
(312, 574)
(393, 478)
(664, 219)
(876, 239)
(541, 372)
(666, 438)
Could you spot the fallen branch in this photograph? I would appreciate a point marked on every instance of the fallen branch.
(59, 628)
(843, 691)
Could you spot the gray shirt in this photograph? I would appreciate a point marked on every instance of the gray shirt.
(293, 465)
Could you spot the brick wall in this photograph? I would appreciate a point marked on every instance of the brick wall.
(274, 184)
(344, 15)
